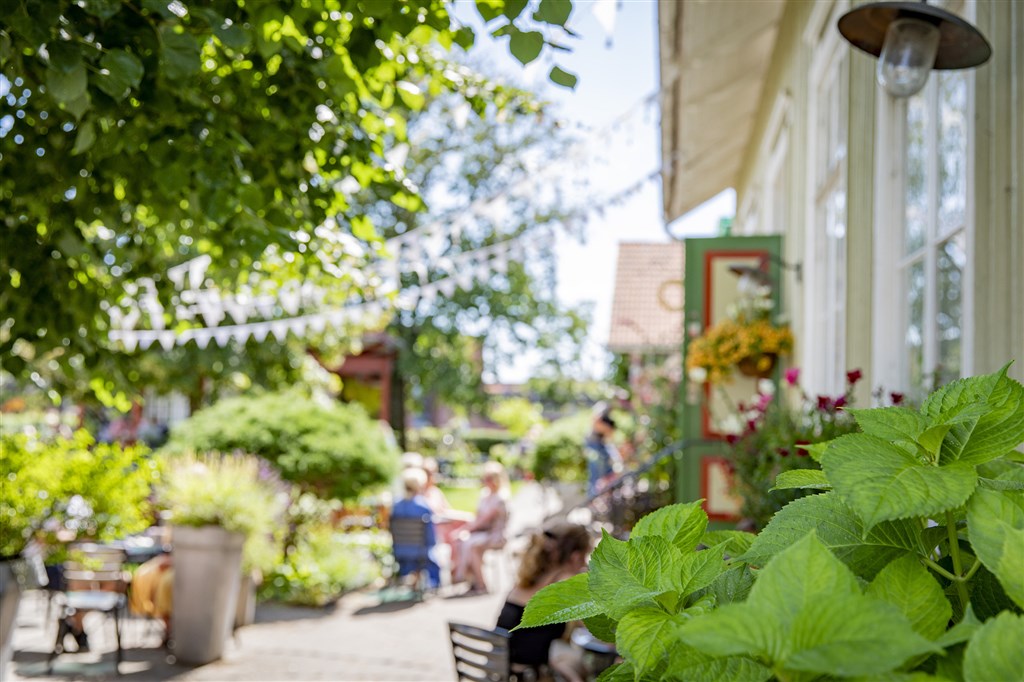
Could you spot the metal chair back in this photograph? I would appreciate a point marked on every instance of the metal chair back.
(481, 655)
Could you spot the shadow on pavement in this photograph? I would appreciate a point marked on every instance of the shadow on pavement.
(142, 665)
(275, 612)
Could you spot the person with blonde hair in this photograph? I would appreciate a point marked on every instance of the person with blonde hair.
(557, 553)
(413, 505)
(486, 530)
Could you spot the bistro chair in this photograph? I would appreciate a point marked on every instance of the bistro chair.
(94, 580)
(410, 545)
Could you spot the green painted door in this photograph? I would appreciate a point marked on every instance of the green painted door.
(714, 274)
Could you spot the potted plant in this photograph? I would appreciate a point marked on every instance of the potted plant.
(747, 340)
(60, 490)
(216, 503)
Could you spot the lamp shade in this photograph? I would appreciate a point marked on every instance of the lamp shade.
(960, 44)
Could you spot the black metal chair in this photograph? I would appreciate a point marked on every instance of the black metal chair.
(410, 544)
(95, 580)
(480, 655)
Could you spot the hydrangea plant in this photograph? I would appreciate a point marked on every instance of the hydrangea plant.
(907, 565)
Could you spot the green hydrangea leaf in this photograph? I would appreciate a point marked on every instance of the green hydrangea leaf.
(806, 613)
(732, 586)
(654, 563)
(645, 635)
(697, 570)
(994, 653)
(908, 585)
(602, 627)
(882, 481)
(815, 450)
(891, 423)
(611, 582)
(853, 635)
(865, 552)
(620, 672)
(681, 525)
(686, 664)
(902, 677)
(561, 602)
(962, 631)
(738, 541)
(813, 479)
(988, 597)
(995, 523)
(979, 435)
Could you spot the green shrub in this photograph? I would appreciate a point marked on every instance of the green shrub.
(228, 491)
(335, 450)
(905, 566)
(481, 440)
(558, 452)
(94, 491)
(321, 568)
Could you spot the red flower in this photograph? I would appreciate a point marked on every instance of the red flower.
(853, 376)
(731, 438)
(783, 452)
(839, 402)
(824, 403)
(792, 375)
(896, 398)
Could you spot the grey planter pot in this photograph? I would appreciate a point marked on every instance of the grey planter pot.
(207, 574)
(10, 597)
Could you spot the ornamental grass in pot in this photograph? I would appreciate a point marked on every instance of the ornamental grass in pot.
(217, 504)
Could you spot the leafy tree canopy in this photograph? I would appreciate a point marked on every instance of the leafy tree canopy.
(142, 133)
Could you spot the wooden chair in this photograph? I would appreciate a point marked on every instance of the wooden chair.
(95, 581)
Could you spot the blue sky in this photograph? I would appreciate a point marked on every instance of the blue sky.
(616, 74)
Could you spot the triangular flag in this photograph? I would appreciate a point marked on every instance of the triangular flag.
(222, 335)
(166, 340)
(202, 337)
(146, 340)
(279, 328)
(260, 331)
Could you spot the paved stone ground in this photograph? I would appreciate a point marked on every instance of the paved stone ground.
(362, 637)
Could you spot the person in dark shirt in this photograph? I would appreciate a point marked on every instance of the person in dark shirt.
(603, 458)
(555, 554)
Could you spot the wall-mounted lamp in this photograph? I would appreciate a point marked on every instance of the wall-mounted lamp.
(759, 275)
(912, 38)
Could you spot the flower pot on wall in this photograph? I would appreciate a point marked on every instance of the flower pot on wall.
(758, 366)
(207, 577)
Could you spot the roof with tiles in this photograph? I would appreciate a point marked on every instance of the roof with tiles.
(647, 310)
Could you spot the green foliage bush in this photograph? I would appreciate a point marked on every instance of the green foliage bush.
(907, 566)
(335, 450)
(320, 568)
(94, 491)
(228, 491)
(558, 452)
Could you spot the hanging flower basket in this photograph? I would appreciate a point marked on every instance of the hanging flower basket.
(759, 366)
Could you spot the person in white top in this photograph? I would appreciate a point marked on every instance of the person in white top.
(486, 530)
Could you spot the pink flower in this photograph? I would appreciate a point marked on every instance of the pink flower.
(763, 401)
(792, 376)
(896, 398)
(853, 376)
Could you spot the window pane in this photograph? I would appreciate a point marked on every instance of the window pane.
(952, 258)
(952, 150)
(914, 333)
(916, 199)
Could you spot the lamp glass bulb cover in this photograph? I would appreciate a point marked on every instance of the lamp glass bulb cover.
(907, 57)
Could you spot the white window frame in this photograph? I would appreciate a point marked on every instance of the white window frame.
(817, 355)
(889, 358)
(776, 172)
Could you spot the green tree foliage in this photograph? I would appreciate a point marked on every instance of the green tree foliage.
(95, 491)
(449, 343)
(140, 134)
(334, 450)
(558, 452)
(518, 415)
(894, 573)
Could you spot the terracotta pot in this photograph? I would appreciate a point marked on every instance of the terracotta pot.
(758, 366)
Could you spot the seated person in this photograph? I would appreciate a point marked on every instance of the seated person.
(448, 521)
(557, 553)
(152, 590)
(413, 505)
(486, 530)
